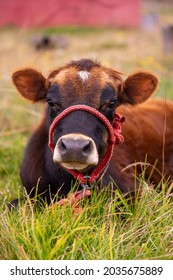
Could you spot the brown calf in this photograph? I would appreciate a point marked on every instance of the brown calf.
(80, 139)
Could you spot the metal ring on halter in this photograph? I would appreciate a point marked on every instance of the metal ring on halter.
(87, 185)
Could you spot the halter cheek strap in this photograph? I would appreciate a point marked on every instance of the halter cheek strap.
(114, 138)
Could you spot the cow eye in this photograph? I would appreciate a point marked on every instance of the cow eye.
(111, 104)
(51, 103)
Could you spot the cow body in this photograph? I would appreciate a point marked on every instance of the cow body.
(147, 131)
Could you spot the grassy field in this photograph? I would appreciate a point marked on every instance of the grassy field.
(98, 232)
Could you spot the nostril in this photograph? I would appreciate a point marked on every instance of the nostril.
(62, 146)
(87, 149)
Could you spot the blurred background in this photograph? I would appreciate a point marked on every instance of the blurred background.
(123, 34)
(45, 34)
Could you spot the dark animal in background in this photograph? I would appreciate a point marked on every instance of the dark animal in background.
(46, 42)
(80, 138)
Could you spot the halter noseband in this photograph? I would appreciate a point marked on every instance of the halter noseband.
(114, 138)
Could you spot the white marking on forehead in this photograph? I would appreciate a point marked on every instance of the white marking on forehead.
(84, 75)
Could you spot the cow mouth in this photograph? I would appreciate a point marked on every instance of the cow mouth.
(82, 167)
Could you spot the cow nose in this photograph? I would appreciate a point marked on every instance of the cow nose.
(69, 147)
(76, 148)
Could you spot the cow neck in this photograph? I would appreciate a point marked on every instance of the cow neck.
(114, 138)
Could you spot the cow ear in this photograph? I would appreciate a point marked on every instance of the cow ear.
(30, 83)
(138, 87)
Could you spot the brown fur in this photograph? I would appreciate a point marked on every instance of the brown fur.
(148, 133)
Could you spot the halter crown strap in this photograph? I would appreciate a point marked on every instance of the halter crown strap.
(114, 138)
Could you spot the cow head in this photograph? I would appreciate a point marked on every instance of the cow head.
(80, 139)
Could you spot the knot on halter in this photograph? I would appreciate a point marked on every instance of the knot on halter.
(118, 119)
(114, 138)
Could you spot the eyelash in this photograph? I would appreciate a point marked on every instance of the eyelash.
(50, 103)
(111, 105)
(53, 105)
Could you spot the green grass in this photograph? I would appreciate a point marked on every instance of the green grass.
(74, 29)
(107, 228)
(165, 88)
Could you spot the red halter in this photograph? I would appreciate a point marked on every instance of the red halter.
(114, 138)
